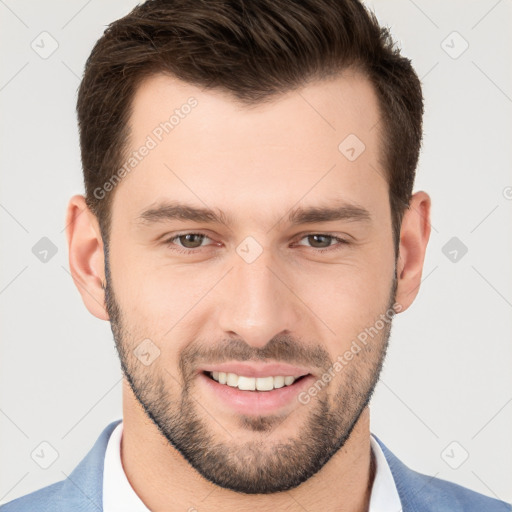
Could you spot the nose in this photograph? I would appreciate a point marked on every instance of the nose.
(257, 301)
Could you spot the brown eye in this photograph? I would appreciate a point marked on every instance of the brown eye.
(320, 241)
(186, 242)
(191, 240)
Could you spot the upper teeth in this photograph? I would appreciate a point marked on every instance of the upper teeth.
(252, 383)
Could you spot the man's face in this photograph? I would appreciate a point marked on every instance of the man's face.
(256, 295)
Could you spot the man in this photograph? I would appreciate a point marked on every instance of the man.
(248, 217)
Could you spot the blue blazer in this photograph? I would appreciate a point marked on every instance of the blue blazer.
(82, 490)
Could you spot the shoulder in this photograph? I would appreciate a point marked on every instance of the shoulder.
(42, 500)
(82, 490)
(426, 493)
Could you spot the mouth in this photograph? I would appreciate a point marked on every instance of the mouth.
(252, 390)
(246, 383)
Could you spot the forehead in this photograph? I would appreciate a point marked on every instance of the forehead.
(316, 144)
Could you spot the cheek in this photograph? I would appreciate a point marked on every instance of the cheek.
(346, 299)
(357, 287)
(159, 300)
(146, 299)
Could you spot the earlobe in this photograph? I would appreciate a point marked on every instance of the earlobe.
(86, 259)
(414, 236)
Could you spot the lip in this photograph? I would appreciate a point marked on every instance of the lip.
(254, 403)
(257, 370)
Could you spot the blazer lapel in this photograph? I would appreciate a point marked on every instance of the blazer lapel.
(414, 488)
(83, 489)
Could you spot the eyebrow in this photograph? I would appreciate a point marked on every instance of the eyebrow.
(174, 210)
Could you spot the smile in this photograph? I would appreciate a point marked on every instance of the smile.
(245, 383)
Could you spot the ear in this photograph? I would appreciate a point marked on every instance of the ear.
(414, 235)
(86, 260)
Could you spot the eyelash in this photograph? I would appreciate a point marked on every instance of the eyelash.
(342, 242)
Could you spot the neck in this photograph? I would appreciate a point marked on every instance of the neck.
(164, 480)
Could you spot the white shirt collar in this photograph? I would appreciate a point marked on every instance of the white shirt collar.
(119, 496)
(384, 496)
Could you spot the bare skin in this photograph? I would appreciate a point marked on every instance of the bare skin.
(256, 165)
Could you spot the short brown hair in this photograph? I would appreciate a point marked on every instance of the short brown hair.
(254, 50)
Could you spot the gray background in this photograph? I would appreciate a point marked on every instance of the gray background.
(446, 388)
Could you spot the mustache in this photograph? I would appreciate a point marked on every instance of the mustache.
(282, 349)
